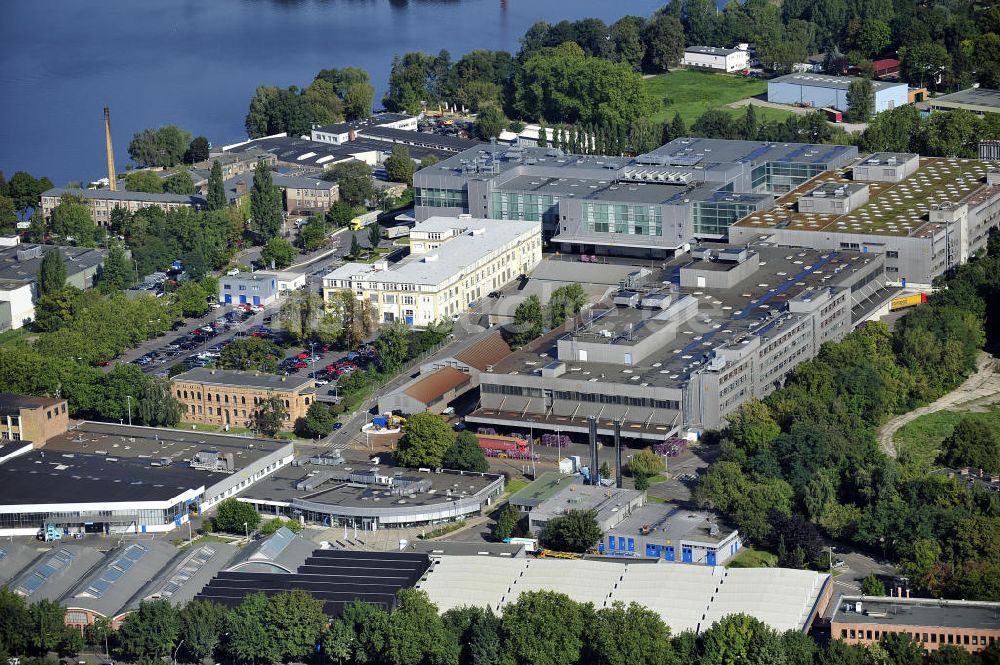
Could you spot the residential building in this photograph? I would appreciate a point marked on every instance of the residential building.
(19, 265)
(671, 533)
(453, 262)
(331, 495)
(235, 163)
(722, 59)
(649, 206)
(34, 420)
(344, 132)
(977, 100)
(930, 622)
(301, 195)
(102, 201)
(825, 91)
(685, 597)
(684, 344)
(233, 398)
(117, 479)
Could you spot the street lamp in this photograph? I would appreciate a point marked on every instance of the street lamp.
(129, 401)
(174, 658)
(246, 529)
(830, 550)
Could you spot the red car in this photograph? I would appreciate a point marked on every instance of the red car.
(301, 365)
(103, 363)
(302, 356)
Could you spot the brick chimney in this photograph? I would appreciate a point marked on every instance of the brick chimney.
(241, 187)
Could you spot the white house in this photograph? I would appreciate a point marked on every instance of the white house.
(722, 59)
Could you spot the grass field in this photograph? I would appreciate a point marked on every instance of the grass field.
(691, 93)
(516, 485)
(920, 441)
(749, 557)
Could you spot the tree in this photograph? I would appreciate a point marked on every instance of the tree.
(399, 165)
(477, 631)
(391, 347)
(150, 632)
(278, 253)
(254, 353)
(506, 524)
(314, 234)
(354, 181)
(466, 454)
(490, 122)
(374, 237)
(972, 443)
(8, 215)
(163, 147)
(543, 628)
(191, 300)
(144, 181)
(302, 314)
(872, 586)
(179, 183)
(265, 204)
(752, 428)
(644, 465)
(952, 655)
(197, 151)
(924, 64)
(202, 623)
(54, 310)
(564, 303)
(527, 321)
(317, 423)
(626, 39)
(736, 638)
(874, 37)
(362, 634)
(426, 438)
(216, 188)
(663, 37)
(340, 214)
(26, 190)
(97, 635)
(901, 649)
(51, 272)
(750, 126)
(295, 621)
(860, 100)
(231, 514)
(428, 161)
(248, 635)
(116, 273)
(575, 531)
(416, 633)
(270, 415)
(626, 635)
(156, 405)
(358, 101)
(71, 220)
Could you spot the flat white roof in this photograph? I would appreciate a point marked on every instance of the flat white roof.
(478, 239)
(682, 594)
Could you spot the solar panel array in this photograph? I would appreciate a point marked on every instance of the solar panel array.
(116, 570)
(335, 577)
(52, 565)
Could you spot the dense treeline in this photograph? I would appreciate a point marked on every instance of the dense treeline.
(810, 448)
(540, 628)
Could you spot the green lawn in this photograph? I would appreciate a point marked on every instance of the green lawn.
(12, 336)
(691, 93)
(516, 485)
(920, 441)
(749, 557)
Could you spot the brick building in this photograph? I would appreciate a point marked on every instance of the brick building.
(34, 419)
(226, 397)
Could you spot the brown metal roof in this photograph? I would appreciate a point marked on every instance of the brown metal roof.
(435, 385)
(10, 404)
(488, 351)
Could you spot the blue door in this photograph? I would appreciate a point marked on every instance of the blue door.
(711, 558)
(408, 320)
(600, 548)
(621, 543)
(652, 550)
(144, 528)
(668, 552)
(243, 300)
(631, 545)
(686, 555)
(256, 300)
(228, 298)
(611, 542)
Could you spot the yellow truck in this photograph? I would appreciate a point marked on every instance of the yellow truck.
(361, 221)
(903, 302)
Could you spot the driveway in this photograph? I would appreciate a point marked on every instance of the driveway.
(983, 387)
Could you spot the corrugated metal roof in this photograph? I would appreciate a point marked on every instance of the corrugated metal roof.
(486, 352)
(436, 384)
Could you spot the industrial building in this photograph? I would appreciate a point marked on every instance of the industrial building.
(453, 262)
(103, 201)
(257, 288)
(685, 597)
(552, 494)
(825, 91)
(924, 216)
(344, 132)
(649, 206)
(681, 345)
(671, 533)
(930, 622)
(977, 100)
(727, 60)
(19, 265)
(301, 194)
(319, 490)
(443, 379)
(230, 397)
(116, 479)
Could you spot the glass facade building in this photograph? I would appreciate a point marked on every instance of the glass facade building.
(442, 198)
(626, 219)
(781, 177)
(527, 207)
(713, 218)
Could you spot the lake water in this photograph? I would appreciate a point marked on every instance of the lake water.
(196, 63)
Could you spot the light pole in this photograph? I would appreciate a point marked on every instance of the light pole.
(246, 530)
(129, 402)
(174, 658)
(830, 550)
